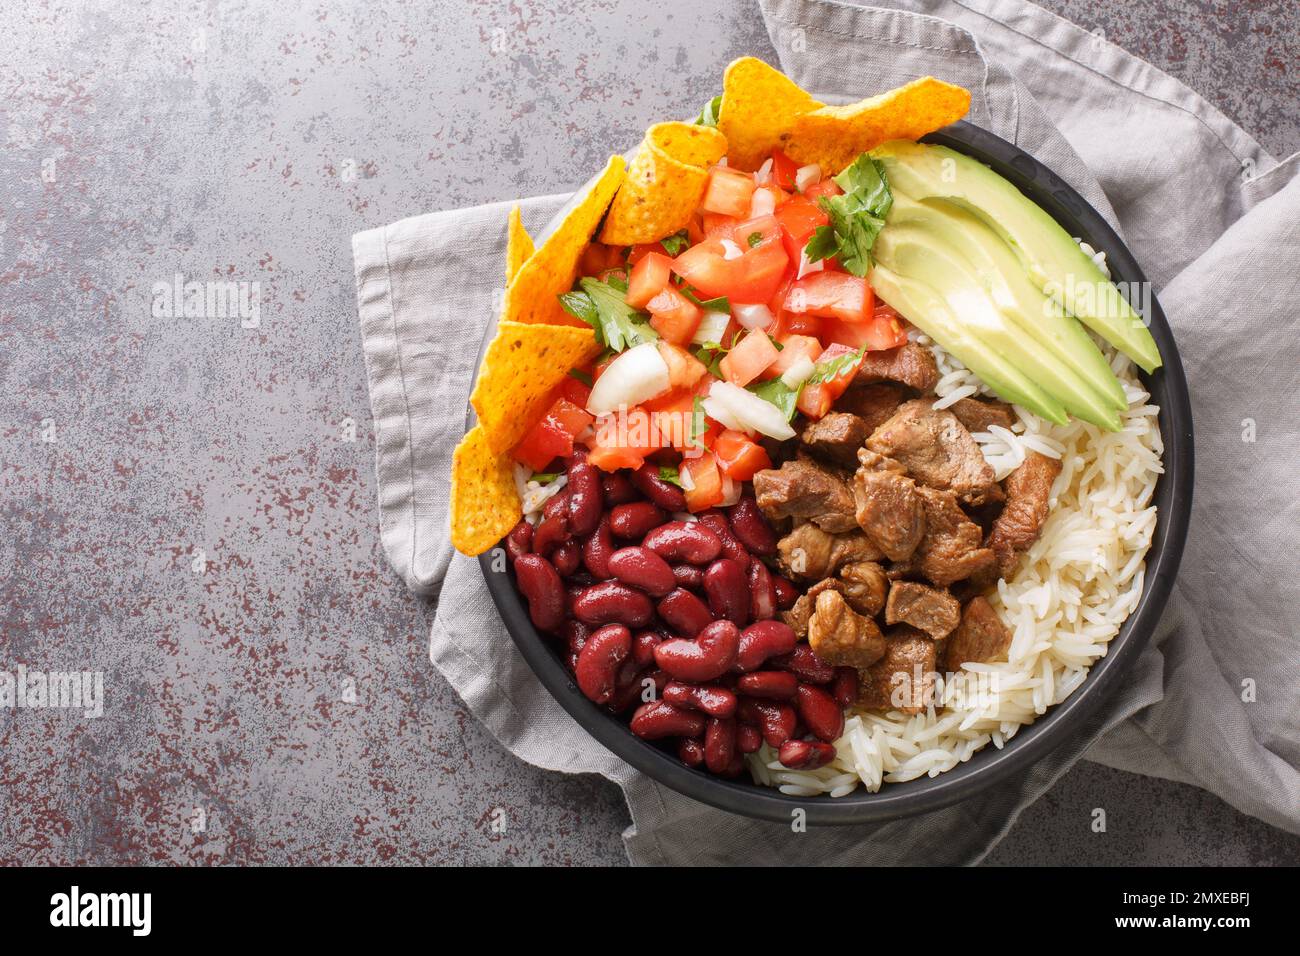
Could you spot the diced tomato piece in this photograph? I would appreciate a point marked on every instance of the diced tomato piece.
(881, 331)
(649, 277)
(705, 481)
(797, 323)
(684, 369)
(793, 348)
(728, 191)
(552, 437)
(827, 187)
(598, 257)
(748, 358)
(575, 391)
(695, 229)
(739, 456)
(831, 295)
(672, 417)
(674, 316)
(717, 226)
(764, 259)
(624, 440)
(642, 249)
(783, 170)
(799, 218)
(815, 400)
(706, 268)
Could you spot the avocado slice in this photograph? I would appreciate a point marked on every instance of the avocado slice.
(927, 257)
(1002, 276)
(1054, 262)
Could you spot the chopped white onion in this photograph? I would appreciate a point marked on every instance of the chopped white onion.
(712, 327)
(730, 250)
(763, 175)
(684, 476)
(731, 492)
(798, 373)
(806, 267)
(763, 203)
(756, 316)
(806, 176)
(636, 375)
(748, 411)
(721, 414)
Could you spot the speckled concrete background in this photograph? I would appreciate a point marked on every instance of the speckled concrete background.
(189, 504)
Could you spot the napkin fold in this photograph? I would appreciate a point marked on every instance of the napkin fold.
(1213, 701)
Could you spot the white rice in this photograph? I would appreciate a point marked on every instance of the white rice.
(1074, 588)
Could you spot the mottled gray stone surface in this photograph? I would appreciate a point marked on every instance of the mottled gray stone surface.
(189, 503)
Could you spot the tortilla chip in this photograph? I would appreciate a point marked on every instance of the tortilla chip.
(550, 271)
(664, 184)
(522, 367)
(484, 499)
(834, 136)
(519, 245)
(759, 107)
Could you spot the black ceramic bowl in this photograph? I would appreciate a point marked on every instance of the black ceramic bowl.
(1173, 499)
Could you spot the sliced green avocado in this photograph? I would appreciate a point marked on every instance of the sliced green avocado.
(925, 256)
(1053, 260)
(1002, 276)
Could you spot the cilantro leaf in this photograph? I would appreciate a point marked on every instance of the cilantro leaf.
(711, 353)
(670, 475)
(602, 306)
(581, 376)
(712, 110)
(697, 424)
(779, 394)
(717, 304)
(544, 477)
(856, 217)
(674, 244)
(754, 238)
(833, 368)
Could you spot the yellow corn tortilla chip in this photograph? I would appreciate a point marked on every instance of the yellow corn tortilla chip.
(523, 365)
(664, 184)
(759, 108)
(834, 136)
(484, 500)
(519, 245)
(550, 271)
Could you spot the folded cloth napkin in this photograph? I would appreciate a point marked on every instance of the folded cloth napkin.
(1212, 218)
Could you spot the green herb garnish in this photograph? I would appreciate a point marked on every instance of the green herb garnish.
(674, 244)
(779, 394)
(602, 306)
(856, 217)
(695, 439)
(754, 238)
(545, 477)
(709, 115)
(717, 304)
(711, 353)
(670, 475)
(581, 376)
(833, 368)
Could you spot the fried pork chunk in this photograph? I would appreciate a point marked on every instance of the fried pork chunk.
(911, 365)
(925, 608)
(809, 554)
(937, 450)
(980, 638)
(889, 511)
(841, 636)
(1028, 489)
(836, 437)
(950, 550)
(806, 489)
(894, 682)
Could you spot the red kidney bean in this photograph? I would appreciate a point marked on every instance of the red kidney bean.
(684, 612)
(552, 532)
(824, 717)
(806, 665)
(712, 700)
(610, 602)
(688, 576)
(566, 556)
(663, 493)
(616, 489)
(643, 648)
(541, 586)
(786, 592)
(716, 521)
(557, 505)
(628, 693)
(642, 568)
(658, 719)
(776, 721)
(690, 752)
(597, 549)
(702, 659)
(805, 754)
(748, 738)
(635, 519)
(719, 743)
(845, 687)
(761, 640)
(586, 500)
(736, 767)
(687, 541)
(520, 540)
(600, 659)
(726, 589)
(574, 634)
(749, 525)
(762, 601)
(769, 685)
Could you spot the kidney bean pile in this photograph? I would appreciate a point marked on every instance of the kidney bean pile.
(673, 624)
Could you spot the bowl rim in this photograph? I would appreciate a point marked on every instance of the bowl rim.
(989, 765)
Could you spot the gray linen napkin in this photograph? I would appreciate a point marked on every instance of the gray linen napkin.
(1212, 218)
